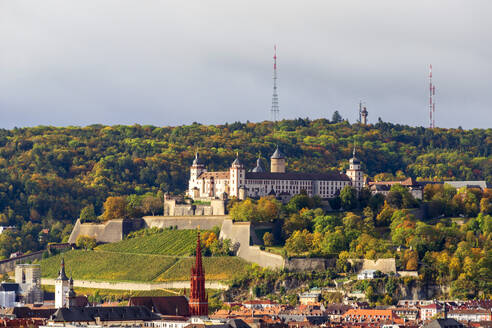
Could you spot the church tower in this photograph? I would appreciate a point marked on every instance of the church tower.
(355, 173)
(196, 169)
(62, 288)
(198, 299)
(237, 177)
(277, 162)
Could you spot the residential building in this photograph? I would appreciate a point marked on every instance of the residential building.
(428, 312)
(370, 316)
(473, 315)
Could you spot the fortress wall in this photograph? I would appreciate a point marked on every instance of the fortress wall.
(383, 265)
(309, 264)
(240, 233)
(108, 232)
(136, 285)
(184, 222)
(216, 207)
(8, 265)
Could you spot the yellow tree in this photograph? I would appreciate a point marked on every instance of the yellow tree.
(115, 208)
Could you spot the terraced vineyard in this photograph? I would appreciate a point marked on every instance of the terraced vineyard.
(216, 268)
(97, 265)
(160, 257)
(168, 242)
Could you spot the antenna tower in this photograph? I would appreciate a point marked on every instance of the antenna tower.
(432, 102)
(275, 109)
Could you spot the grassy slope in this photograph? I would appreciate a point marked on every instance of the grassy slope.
(97, 265)
(216, 268)
(159, 257)
(169, 242)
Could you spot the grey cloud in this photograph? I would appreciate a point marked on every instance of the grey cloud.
(174, 62)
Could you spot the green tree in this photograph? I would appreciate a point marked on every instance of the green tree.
(244, 211)
(336, 117)
(151, 204)
(86, 242)
(348, 196)
(87, 214)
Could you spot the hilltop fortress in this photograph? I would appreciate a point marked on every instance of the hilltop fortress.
(239, 183)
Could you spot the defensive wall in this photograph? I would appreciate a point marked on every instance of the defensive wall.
(184, 222)
(172, 208)
(384, 265)
(309, 264)
(240, 234)
(107, 232)
(8, 265)
(136, 285)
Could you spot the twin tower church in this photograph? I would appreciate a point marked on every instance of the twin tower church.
(258, 182)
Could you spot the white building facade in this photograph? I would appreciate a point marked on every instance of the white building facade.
(237, 182)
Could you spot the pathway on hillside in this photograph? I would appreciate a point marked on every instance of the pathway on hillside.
(137, 285)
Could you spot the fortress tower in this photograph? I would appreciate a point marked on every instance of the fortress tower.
(198, 299)
(355, 173)
(237, 177)
(196, 169)
(277, 162)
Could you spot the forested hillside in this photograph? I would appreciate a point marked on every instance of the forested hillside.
(48, 174)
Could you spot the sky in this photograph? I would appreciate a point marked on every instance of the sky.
(167, 63)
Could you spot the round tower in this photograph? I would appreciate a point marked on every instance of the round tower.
(237, 177)
(196, 169)
(355, 172)
(277, 162)
(364, 114)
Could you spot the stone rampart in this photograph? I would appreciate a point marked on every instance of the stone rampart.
(184, 222)
(383, 265)
(240, 234)
(216, 207)
(408, 274)
(309, 264)
(107, 232)
(8, 265)
(136, 285)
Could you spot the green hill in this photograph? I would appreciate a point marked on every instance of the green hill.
(48, 174)
(167, 242)
(97, 265)
(157, 257)
(110, 266)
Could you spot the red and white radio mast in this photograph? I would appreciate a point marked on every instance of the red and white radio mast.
(432, 103)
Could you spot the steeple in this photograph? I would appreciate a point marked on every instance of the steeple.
(259, 167)
(198, 299)
(197, 160)
(237, 162)
(61, 275)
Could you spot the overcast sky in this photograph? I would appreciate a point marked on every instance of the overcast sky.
(65, 62)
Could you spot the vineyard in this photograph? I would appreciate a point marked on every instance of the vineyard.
(216, 268)
(167, 242)
(108, 266)
(158, 257)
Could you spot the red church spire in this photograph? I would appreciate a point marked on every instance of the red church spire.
(198, 299)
